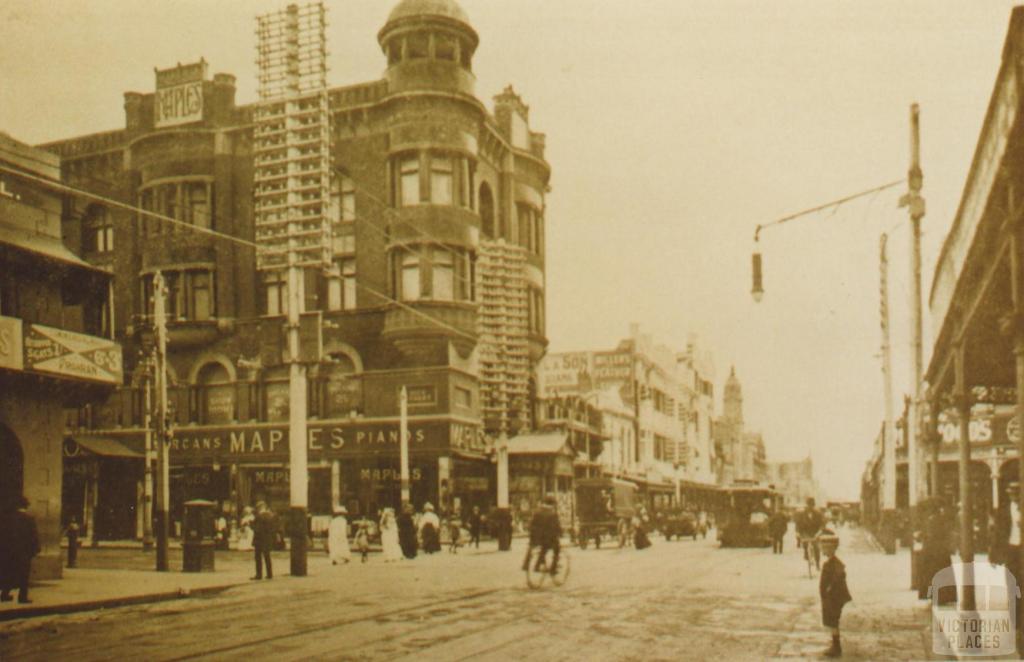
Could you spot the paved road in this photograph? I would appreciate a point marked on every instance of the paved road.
(676, 600)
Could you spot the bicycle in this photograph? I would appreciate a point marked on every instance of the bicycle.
(812, 554)
(537, 572)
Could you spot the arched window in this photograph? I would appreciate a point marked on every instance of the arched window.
(275, 394)
(215, 395)
(487, 211)
(342, 391)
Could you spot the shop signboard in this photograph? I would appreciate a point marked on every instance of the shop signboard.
(326, 440)
(179, 94)
(564, 374)
(612, 368)
(421, 395)
(11, 353)
(69, 354)
(995, 429)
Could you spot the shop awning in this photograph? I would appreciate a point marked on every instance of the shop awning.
(43, 246)
(105, 446)
(550, 443)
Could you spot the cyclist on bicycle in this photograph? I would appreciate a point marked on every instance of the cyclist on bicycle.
(809, 523)
(545, 533)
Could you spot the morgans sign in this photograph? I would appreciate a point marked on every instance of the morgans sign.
(179, 94)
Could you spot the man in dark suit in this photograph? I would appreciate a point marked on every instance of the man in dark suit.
(545, 533)
(20, 544)
(264, 532)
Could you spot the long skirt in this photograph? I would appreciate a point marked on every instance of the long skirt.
(640, 539)
(431, 539)
(390, 544)
(407, 540)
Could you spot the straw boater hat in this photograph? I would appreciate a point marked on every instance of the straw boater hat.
(340, 510)
(828, 537)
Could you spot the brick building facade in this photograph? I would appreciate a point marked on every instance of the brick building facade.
(437, 283)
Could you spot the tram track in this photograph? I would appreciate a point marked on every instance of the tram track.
(331, 625)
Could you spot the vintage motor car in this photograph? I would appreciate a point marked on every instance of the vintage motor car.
(678, 523)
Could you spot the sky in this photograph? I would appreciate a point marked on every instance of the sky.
(673, 129)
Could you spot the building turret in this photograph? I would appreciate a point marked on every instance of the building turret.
(429, 45)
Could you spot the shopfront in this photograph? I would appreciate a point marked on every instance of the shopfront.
(541, 465)
(354, 463)
(102, 488)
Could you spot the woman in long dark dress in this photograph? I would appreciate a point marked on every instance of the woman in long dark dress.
(407, 532)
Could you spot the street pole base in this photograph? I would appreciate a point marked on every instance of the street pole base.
(299, 541)
(160, 523)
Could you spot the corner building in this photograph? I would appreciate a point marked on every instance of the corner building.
(437, 282)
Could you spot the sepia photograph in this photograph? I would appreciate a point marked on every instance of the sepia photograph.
(511, 330)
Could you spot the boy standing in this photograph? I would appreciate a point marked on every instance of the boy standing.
(833, 589)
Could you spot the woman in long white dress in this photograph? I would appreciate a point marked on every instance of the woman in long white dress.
(389, 536)
(246, 535)
(337, 537)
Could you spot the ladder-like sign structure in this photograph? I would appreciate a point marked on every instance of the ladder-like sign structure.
(292, 141)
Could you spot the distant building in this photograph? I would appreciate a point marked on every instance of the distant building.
(740, 454)
(795, 480)
(697, 411)
(656, 408)
(55, 346)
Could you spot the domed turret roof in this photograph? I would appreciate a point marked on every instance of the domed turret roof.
(444, 8)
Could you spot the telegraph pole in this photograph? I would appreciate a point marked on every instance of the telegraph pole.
(889, 447)
(915, 205)
(403, 408)
(291, 183)
(298, 470)
(163, 497)
(147, 483)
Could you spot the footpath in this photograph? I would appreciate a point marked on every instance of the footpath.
(119, 574)
(885, 621)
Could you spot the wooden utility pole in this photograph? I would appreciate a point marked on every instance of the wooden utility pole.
(403, 435)
(298, 465)
(162, 436)
(889, 437)
(147, 483)
(915, 205)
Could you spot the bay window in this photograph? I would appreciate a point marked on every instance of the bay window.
(189, 200)
(438, 274)
(190, 294)
(410, 277)
(441, 180)
(444, 276)
(409, 181)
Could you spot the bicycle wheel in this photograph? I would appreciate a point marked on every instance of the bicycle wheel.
(562, 571)
(537, 573)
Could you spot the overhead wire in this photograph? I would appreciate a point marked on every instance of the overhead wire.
(219, 235)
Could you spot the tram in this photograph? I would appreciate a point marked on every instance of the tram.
(743, 514)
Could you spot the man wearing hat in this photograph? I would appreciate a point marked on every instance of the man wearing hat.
(546, 533)
(833, 589)
(264, 532)
(337, 537)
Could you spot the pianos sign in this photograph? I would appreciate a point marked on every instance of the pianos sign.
(179, 94)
